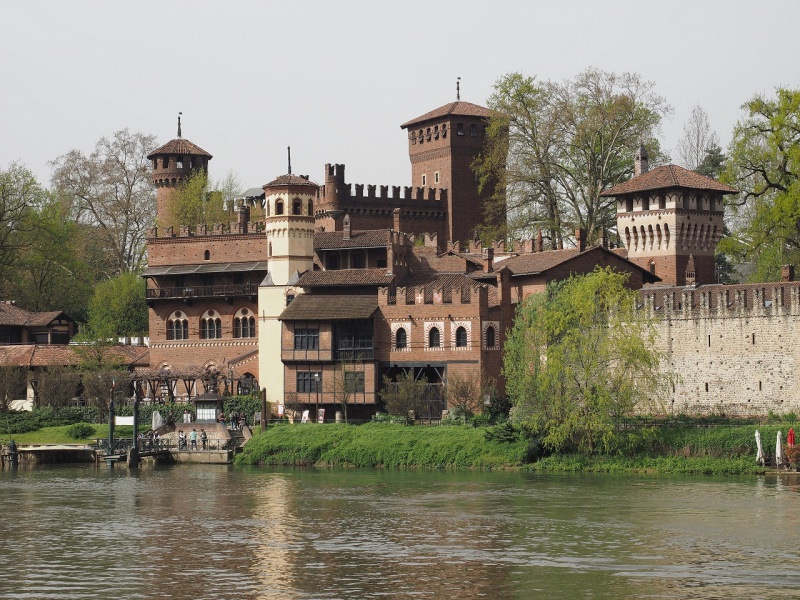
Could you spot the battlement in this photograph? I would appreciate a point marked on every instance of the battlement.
(723, 301)
(434, 294)
(195, 231)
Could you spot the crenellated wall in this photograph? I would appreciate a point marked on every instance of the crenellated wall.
(735, 348)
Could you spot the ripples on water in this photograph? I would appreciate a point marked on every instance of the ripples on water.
(223, 532)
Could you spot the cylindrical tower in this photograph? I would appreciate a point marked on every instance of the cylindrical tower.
(172, 163)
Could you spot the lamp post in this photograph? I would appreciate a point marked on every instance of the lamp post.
(316, 386)
(111, 418)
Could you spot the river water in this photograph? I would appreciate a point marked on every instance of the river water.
(202, 531)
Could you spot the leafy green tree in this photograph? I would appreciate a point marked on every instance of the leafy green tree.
(119, 307)
(111, 190)
(764, 164)
(195, 203)
(19, 191)
(553, 147)
(579, 361)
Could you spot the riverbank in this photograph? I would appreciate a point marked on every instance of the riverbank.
(729, 450)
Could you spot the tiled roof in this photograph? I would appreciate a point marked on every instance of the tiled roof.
(368, 238)
(324, 307)
(16, 356)
(10, 314)
(461, 109)
(291, 180)
(179, 146)
(48, 355)
(666, 177)
(344, 277)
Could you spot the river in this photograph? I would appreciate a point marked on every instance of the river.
(202, 531)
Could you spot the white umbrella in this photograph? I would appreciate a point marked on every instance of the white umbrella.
(778, 451)
(760, 453)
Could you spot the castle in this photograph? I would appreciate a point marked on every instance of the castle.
(334, 291)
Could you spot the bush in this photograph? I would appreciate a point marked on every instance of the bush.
(80, 431)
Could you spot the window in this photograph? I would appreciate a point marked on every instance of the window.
(306, 339)
(179, 162)
(207, 255)
(309, 382)
(357, 261)
(353, 382)
(424, 180)
(473, 130)
(289, 298)
(165, 162)
(177, 326)
(428, 134)
(279, 207)
(436, 132)
(310, 208)
(434, 338)
(436, 177)
(459, 129)
(401, 339)
(210, 327)
(461, 338)
(490, 337)
(297, 207)
(244, 324)
(381, 264)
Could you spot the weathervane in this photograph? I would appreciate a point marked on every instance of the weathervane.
(179, 124)
(458, 88)
(289, 154)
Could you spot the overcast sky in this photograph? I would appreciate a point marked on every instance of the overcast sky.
(335, 79)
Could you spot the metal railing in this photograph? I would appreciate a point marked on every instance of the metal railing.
(203, 291)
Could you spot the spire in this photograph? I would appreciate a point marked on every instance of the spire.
(458, 88)
(179, 124)
(289, 153)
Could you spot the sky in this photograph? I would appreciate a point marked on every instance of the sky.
(335, 80)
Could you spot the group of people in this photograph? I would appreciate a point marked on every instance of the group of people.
(190, 442)
(237, 421)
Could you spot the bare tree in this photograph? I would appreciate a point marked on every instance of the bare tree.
(58, 385)
(12, 385)
(465, 391)
(405, 394)
(697, 141)
(111, 190)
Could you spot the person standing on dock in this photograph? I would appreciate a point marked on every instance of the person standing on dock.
(193, 440)
(204, 439)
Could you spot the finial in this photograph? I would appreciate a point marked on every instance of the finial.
(179, 124)
(458, 88)
(289, 153)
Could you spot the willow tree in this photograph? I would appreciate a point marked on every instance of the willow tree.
(580, 360)
(553, 147)
(764, 163)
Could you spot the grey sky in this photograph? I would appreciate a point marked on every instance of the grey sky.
(336, 79)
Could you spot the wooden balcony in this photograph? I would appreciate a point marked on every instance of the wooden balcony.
(203, 291)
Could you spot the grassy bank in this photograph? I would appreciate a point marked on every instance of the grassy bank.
(713, 450)
(60, 434)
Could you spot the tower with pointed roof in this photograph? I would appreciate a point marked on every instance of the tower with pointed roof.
(289, 225)
(442, 145)
(670, 221)
(173, 163)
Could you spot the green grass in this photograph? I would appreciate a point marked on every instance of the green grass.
(60, 435)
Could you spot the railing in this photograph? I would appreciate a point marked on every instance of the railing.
(203, 291)
(353, 350)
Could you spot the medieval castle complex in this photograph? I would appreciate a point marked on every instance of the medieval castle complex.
(335, 290)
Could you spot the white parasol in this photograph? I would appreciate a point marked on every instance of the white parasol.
(778, 451)
(760, 453)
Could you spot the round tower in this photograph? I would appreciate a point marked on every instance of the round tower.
(173, 163)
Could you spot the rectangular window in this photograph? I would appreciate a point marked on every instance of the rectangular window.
(436, 177)
(424, 180)
(309, 382)
(306, 339)
(354, 382)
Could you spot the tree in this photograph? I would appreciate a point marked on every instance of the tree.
(344, 384)
(466, 391)
(58, 385)
(580, 360)
(111, 190)
(195, 203)
(119, 307)
(19, 191)
(405, 394)
(764, 164)
(12, 385)
(698, 139)
(554, 147)
(98, 385)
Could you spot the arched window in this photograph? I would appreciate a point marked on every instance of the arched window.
(401, 339)
(244, 324)
(434, 338)
(461, 338)
(177, 326)
(297, 207)
(490, 337)
(279, 207)
(207, 255)
(310, 208)
(210, 326)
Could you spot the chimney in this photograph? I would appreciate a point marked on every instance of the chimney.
(787, 273)
(346, 227)
(641, 162)
(488, 265)
(396, 220)
(244, 216)
(580, 237)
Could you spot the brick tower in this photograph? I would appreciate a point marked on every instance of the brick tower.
(173, 163)
(670, 220)
(442, 145)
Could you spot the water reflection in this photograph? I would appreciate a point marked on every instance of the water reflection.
(223, 532)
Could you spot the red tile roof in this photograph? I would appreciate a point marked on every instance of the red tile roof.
(367, 238)
(319, 307)
(666, 177)
(345, 277)
(291, 180)
(48, 355)
(11, 314)
(179, 146)
(459, 109)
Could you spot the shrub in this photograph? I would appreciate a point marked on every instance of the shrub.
(80, 431)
